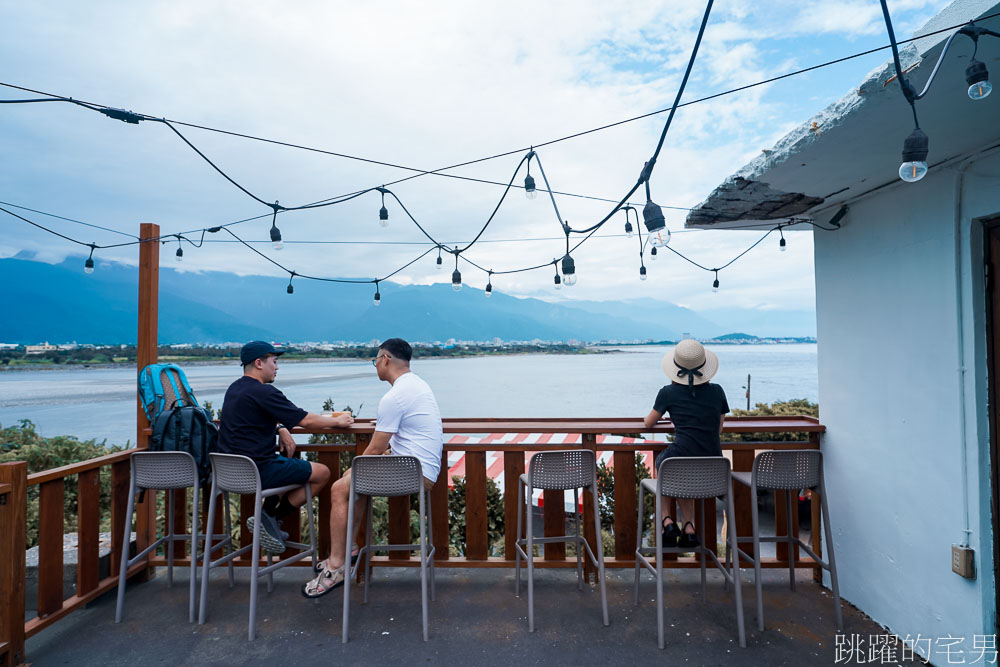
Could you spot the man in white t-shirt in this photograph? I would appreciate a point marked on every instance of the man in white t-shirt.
(408, 424)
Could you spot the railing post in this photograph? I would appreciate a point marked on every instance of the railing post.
(439, 512)
(13, 524)
(51, 526)
(626, 512)
(513, 468)
(88, 525)
(477, 541)
(146, 353)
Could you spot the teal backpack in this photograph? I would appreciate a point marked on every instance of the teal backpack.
(163, 387)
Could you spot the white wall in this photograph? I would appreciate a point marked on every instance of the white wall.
(891, 392)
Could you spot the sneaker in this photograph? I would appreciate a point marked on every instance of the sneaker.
(270, 537)
(671, 534)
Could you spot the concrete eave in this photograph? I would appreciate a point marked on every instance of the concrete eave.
(853, 146)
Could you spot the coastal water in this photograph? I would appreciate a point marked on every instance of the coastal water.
(100, 403)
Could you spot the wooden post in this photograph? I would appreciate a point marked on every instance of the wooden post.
(476, 521)
(146, 353)
(439, 512)
(513, 468)
(13, 524)
(626, 512)
(51, 497)
(88, 526)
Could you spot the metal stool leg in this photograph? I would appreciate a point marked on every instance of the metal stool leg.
(638, 541)
(792, 545)
(702, 549)
(755, 513)
(430, 540)
(370, 505)
(658, 513)
(255, 565)
(737, 583)
(229, 533)
(126, 545)
(170, 539)
(193, 573)
(517, 541)
(348, 575)
(600, 551)
(207, 557)
(578, 544)
(830, 559)
(423, 561)
(530, 557)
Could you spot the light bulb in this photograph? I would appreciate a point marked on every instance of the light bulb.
(652, 253)
(439, 263)
(179, 255)
(569, 279)
(660, 238)
(558, 281)
(383, 217)
(489, 290)
(911, 172)
(290, 290)
(628, 230)
(914, 165)
(978, 80)
(715, 285)
(568, 271)
(378, 299)
(456, 280)
(88, 266)
(276, 237)
(642, 273)
(529, 187)
(781, 244)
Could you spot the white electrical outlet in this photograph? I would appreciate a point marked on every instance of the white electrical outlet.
(963, 561)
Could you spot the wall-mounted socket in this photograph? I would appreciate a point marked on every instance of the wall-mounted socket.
(963, 561)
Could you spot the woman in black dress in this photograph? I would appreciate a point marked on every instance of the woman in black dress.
(698, 410)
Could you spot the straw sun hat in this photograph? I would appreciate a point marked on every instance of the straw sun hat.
(690, 363)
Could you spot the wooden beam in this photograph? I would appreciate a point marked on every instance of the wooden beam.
(476, 522)
(146, 353)
(13, 524)
(50, 547)
(88, 528)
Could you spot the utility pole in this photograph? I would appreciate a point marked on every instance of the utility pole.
(748, 392)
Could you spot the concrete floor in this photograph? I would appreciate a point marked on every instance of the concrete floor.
(476, 620)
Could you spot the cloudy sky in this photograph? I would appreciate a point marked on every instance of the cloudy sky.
(423, 85)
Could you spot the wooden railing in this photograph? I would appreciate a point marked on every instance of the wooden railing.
(14, 483)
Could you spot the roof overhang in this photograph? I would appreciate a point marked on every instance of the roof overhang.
(853, 146)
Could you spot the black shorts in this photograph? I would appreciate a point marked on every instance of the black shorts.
(281, 471)
(667, 453)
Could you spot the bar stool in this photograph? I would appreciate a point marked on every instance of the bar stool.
(696, 477)
(161, 471)
(232, 473)
(560, 471)
(789, 470)
(388, 475)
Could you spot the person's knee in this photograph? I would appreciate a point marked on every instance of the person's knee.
(320, 474)
(342, 487)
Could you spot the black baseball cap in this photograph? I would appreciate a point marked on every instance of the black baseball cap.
(256, 349)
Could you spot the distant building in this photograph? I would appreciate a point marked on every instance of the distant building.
(40, 349)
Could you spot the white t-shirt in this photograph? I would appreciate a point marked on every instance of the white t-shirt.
(408, 411)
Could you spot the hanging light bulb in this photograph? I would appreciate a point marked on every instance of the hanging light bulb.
(456, 280)
(439, 262)
(652, 253)
(914, 165)
(628, 229)
(656, 224)
(569, 271)
(383, 213)
(529, 187)
(782, 246)
(978, 80)
(88, 266)
(179, 255)
(715, 283)
(276, 237)
(489, 290)
(290, 289)
(557, 280)
(378, 297)
(642, 273)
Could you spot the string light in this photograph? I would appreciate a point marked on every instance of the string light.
(378, 297)
(489, 285)
(978, 79)
(383, 213)
(715, 283)
(529, 187)
(88, 266)
(642, 273)
(569, 271)
(557, 280)
(275, 232)
(440, 264)
(290, 289)
(456, 277)
(781, 244)
(179, 255)
(914, 166)
(652, 253)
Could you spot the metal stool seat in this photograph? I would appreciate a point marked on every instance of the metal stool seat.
(232, 473)
(789, 470)
(560, 471)
(388, 475)
(161, 471)
(698, 478)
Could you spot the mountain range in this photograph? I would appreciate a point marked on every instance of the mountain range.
(59, 303)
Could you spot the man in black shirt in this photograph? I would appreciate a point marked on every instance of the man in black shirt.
(253, 412)
(698, 410)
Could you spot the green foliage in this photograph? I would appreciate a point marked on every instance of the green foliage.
(606, 501)
(23, 443)
(494, 517)
(793, 407)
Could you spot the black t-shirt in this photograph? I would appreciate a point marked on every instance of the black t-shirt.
(695, 418)
(250, 413)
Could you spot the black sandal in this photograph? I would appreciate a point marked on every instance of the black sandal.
(671, 534)
(688, 540)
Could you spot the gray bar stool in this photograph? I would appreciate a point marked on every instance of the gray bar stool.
(789, 470)
(697, 477)
(161, 471)
(232, 473)
(559, 471)
(388, 475)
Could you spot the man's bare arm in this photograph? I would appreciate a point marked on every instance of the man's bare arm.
(312, 420)
(379, 444)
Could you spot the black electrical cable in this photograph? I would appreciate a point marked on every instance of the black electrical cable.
(78, 222)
